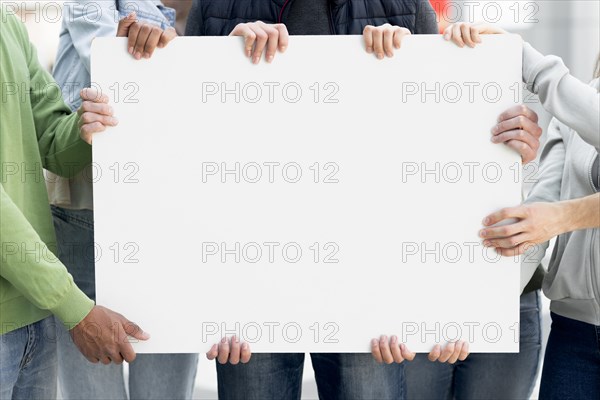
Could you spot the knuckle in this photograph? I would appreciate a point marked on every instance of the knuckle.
(86, 118)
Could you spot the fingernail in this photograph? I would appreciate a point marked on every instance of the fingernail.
(115, 121)
(245, 346)
(486, 221)
(269, 59)
(131, 50)
(494, 139)
(394, 339)
(482, 233)
(255, 60)
(146, 55)
(380, 56)
(374, 342)
(248, 53)
(224, 340)
(369, 50)
(138, 55)
(447, 36)
(486, 243)
(283, 48)
(402, 346)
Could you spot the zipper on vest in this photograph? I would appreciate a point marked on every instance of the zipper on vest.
(281, 12)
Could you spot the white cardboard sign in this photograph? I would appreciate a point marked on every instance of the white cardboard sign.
(311, 204)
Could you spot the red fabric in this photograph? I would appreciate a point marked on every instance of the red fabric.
(438, 7)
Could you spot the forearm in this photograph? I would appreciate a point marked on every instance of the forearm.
(64, 152)
(39, 277)
(57, 128)
(582, 213)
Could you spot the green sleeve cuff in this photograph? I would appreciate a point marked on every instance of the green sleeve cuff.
(73, 159)
(73, 307)
(73, 153)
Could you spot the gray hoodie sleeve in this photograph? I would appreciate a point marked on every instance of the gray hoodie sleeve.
(546, 189)
(572, 102)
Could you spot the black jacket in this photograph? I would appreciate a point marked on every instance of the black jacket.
(347, 17)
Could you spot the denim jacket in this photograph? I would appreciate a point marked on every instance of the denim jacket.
(83, 21)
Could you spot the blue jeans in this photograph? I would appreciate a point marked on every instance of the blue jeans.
(151, 376)
(339, 376)
(28, 362)
(572, 361)
(483, 376)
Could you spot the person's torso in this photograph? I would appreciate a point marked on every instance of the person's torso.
(21, 164)
(573, 279)
(69, 71)
(346, 17)
(72, 75)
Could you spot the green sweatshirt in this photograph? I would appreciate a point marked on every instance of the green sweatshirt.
(37, 130)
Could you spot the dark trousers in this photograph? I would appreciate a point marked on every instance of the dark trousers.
(572, 361)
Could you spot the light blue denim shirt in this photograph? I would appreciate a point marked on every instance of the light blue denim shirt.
(83, 21)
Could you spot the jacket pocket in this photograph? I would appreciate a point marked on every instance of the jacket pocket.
(570, 272)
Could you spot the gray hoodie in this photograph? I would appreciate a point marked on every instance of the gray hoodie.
(573, 279)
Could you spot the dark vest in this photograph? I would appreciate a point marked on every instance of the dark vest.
(347, 17)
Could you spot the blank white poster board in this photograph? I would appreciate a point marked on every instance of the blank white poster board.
(310, 204)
